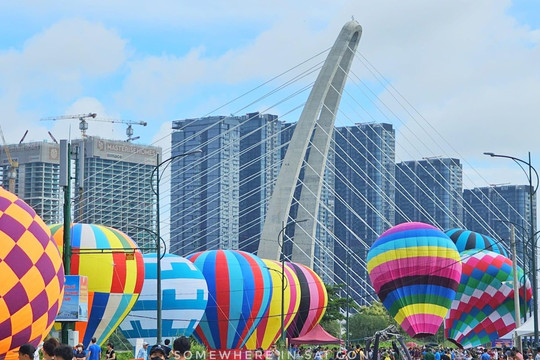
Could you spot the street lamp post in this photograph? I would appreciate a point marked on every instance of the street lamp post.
(158, 233)
(280, 243)
(532, 192)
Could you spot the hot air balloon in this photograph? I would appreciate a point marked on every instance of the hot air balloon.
(415, 270)
(269, 329)
(115, 276)
(239, 293)
(483, 309)
(184, 298)
(313, 301)
(466, 239)
(32, 286)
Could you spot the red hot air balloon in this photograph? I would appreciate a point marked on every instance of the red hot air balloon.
(239, 293)
(313, 301)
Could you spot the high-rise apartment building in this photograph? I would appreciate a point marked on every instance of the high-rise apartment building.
(205, 187)
(37, 181)
(364, 204)
(260, 160)
(115, 187)
(430, 191)
(112, 184)
(491, 210)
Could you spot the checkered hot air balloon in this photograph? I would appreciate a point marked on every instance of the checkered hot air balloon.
(483, 309)
(184, 298)
(269, 329)
(239, 292)
(32, 285)
(415, 270)
(467, 239)
(115, 276)
(313, 301)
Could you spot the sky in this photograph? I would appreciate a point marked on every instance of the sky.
(471, 69)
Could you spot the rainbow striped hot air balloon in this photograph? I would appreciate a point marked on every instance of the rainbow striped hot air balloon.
(313, 301)
(269, 329)
(114, 280)
(415, 270)
(467, 239)
(184, 298)
(483, 309)
(32, 285)
(239, 293)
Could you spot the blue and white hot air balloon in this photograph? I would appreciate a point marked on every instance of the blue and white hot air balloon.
(184, 298)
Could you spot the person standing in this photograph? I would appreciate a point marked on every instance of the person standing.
(110, 354)
(274, 352)
(167, 347)
(79, 352)
(48, 348)
(485, 355)
(63, 352)
(143, 351)
(181, 348)
(26, 352)
(94, 351)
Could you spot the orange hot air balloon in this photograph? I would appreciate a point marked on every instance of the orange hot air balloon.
(115, 279)
(269, 329)
(32, 285)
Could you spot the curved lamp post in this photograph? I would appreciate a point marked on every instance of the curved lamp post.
(280, 243)
(158, 231)
(532, 239)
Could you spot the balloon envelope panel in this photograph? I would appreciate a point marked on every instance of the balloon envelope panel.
(483, 309)
(114, 279)
(32, 285)
(313, 301)
(184, 298)
(239, 293)
(269, 329)
(467, 240)
(415, 270)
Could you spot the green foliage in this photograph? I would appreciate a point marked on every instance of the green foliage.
(119, 341)
(336, 303)
(124, 355)
(333, 327)
(198, 350)
(369, 320)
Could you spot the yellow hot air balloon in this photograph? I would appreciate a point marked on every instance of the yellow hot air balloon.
(269, 329)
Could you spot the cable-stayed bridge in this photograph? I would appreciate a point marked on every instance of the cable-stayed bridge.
(364, 160)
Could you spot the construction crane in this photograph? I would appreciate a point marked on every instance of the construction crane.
(83, 124)
(129, 129)
(13, 165)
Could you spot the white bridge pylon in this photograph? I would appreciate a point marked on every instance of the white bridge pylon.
(316, 123)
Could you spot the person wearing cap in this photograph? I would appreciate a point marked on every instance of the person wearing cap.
(143, 351)
(26, 352)
(78, 352)
(158, 352)
(182, 346)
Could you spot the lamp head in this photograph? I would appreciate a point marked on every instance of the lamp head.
(489, 154)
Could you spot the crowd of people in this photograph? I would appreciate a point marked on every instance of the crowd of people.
(52, 349)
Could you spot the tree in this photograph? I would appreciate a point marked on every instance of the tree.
(336, 303)
(369, 320)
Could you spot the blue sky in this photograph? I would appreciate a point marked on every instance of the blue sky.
(470, 68)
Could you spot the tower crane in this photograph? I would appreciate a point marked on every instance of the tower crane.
(13, 165)
(83, 125)
(129, 123)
